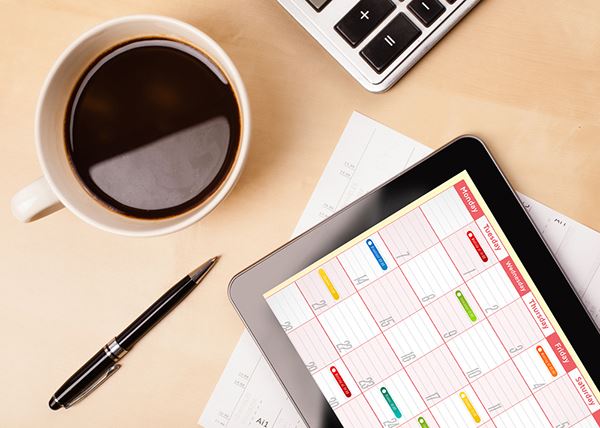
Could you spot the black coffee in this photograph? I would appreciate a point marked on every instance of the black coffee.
(152, 128)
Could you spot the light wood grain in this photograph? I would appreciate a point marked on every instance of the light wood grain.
(525, 76)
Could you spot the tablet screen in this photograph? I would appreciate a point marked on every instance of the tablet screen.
(429, 319)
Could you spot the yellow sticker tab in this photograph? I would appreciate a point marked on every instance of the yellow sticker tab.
(470, 407)
(329, 284)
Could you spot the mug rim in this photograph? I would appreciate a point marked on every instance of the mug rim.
(204, 208)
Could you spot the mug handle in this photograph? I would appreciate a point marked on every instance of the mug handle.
(34, 201)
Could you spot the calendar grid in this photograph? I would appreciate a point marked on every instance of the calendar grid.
(336, 349)
(399, 360)
(426, 318)
(522, 298)
(506, 350)
(442, 337)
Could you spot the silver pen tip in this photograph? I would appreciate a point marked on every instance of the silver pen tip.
(197, 274)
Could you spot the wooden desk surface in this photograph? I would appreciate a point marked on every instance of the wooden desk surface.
(525, 76)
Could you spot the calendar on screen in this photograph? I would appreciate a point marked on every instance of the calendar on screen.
(429, 319)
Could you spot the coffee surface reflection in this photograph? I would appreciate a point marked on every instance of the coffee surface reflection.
(153, 128)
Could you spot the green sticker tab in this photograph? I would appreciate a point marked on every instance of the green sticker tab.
(391, 402)
(466, 306)
(422, 422)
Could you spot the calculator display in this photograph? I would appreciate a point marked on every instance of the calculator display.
(429, 319)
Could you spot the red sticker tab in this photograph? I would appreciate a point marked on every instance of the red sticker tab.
(338, 377)
(468, 199)
(477, 246)
(561, 352)
(597, 417)
(515, 276)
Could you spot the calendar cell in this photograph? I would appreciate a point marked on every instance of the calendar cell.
(431, 274)
(561, 403)
(390, 299)
(525, 413)
(478, 350)
(409, 236)
(367, 261)
(493, 289)
(312, 344)
(290, 308)
(436, 375)
(455, 312)
(515, 327)
(395, 400)
(446, 213)
(470, 251)
(357, 414)
(336, 383)
(462, 409)
(501, 388)
(539, 365)
(325, 286)
(348, 324)
(372, 362)
(413, 337)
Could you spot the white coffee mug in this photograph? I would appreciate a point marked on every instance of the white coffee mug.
(59, 186)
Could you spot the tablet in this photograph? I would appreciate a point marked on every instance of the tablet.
(432, 301)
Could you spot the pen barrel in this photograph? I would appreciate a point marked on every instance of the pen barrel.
(95, 368)
(151, 316)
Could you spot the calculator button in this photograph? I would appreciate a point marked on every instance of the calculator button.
(394, 39)
(426, 10)
(362, 19)
(318, 5)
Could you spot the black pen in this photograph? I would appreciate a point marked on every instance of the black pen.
(104, 364)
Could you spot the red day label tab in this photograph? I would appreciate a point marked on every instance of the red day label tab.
(515, 276)
(561, 352)
(468, 199)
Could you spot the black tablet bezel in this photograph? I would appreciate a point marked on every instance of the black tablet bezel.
(468, 153)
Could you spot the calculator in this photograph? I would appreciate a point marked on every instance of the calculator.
(378, 41)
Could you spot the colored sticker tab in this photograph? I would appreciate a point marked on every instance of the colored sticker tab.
(338, 377)
(377, 254)
(470, 407)
(422, 422)
(466, 306)
(391, 402)
(329, 284)
(547, 361)
(477, 246)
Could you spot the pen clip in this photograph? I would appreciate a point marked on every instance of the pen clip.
(108, 373)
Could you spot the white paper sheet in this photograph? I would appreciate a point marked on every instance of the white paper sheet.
(367, 154)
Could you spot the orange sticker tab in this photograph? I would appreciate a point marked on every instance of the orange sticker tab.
(547, 361)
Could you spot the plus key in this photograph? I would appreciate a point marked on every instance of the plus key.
(362, 19)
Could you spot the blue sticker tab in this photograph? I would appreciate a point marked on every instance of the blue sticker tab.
(377, 254)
